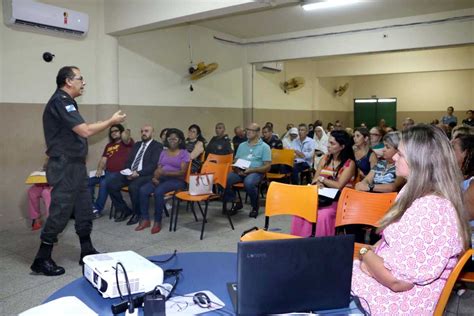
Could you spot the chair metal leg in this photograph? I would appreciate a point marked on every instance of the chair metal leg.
(204, 219)
(112, 210)
(194, 212)
(200, 208)
(173, 209)
(229, 218)
(165, 210)
(176, 216)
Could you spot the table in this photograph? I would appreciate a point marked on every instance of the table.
(37, 177)
(201, 271)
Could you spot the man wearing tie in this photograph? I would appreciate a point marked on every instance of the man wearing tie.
(142, 162)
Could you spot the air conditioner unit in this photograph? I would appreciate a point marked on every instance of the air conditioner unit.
(269, 67)
(29, 13)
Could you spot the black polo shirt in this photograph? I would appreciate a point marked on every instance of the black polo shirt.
(60, 115)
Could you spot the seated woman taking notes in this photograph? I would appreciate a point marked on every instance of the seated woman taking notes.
(335, 170)
(423, 233)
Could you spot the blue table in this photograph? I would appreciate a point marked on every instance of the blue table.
(201, 271)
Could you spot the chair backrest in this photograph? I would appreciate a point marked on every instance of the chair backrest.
(448, 287)
(283, 157)
(287, 199)
(188, 172)
(365, 208)
(220, 171)
(229, 158)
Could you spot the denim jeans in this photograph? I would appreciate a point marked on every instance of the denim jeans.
(99, 204)
(250, 181)
(167, 184)
(297, 168)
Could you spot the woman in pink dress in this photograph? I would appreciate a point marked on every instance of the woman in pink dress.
(335, 170)
(424, 232)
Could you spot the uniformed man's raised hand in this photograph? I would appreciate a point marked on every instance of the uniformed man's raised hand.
(118, 117)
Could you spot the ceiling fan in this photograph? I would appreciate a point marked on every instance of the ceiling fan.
(292, 84)
(201, 70)
(341, 90)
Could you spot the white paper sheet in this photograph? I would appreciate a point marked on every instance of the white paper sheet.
(93, 173)
(126, 172)
(38, 173)
(328, 192)
(68, 305)
(242, 164)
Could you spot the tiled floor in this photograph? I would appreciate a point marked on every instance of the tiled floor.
(20, 290)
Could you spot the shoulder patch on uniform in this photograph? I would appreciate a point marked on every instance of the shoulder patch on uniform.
(70, 108)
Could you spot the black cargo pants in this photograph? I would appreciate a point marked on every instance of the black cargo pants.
(70, 195)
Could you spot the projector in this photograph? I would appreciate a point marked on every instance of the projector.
(143, 275)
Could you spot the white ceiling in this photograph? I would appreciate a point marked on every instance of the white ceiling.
(292, 18)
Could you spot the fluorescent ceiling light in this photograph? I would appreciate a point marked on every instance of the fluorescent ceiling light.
(387, 100)
(365, 100)
(327, 4)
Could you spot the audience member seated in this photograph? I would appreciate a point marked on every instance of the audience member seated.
(461, 130)
(168, 176)
(376, 136)
(329, 127)
(364, 155)
(382, 178)
(141, 162)
(449, 117)
(424, 232)
(321, 144)
(239, 137)
(270, 139)
(163, 135)
(349, 131)
(407, 123)
(469, 120)
(292, 135)
(463, 146)
(195, 144)
(113, 160)
(338, 125)
(219, 144)
(336, 170)
(35, 193)
(259, 154)
(270, 124)
(304, 153)
(310, 130)
(286, 133)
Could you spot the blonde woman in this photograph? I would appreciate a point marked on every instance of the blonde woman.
(424, 232)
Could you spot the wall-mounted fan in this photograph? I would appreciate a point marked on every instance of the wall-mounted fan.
(201, 70)
(341, 90)
(292, 84)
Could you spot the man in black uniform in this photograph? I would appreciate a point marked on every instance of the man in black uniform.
(219, 144)
(66, 135)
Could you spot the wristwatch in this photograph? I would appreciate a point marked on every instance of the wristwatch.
(363, 251)
(371, 187)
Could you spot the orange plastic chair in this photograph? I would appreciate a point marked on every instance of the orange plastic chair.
(364, 208)
(229, 158)
(453, 277)
(281, 157)
(220, 172)
(286, 199)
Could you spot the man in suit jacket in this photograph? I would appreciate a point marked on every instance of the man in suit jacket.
(142, 162)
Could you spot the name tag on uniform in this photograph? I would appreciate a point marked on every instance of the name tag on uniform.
(70, 108)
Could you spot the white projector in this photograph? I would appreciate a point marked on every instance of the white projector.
(143, 275)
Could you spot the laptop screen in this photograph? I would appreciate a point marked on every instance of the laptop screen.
(294, 275)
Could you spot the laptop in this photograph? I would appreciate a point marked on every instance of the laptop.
(294, 275)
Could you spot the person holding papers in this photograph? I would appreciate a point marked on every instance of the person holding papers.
(139, 170)
(252, 161)
(336, 170)
(112, 161)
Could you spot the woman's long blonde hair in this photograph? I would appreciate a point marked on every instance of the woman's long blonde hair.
(433, 170)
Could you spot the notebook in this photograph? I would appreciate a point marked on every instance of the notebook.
(294, 275)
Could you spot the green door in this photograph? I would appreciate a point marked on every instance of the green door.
(371, 111)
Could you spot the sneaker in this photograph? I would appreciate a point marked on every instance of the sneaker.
(96, 213)
(36, 224)
(237, 206)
